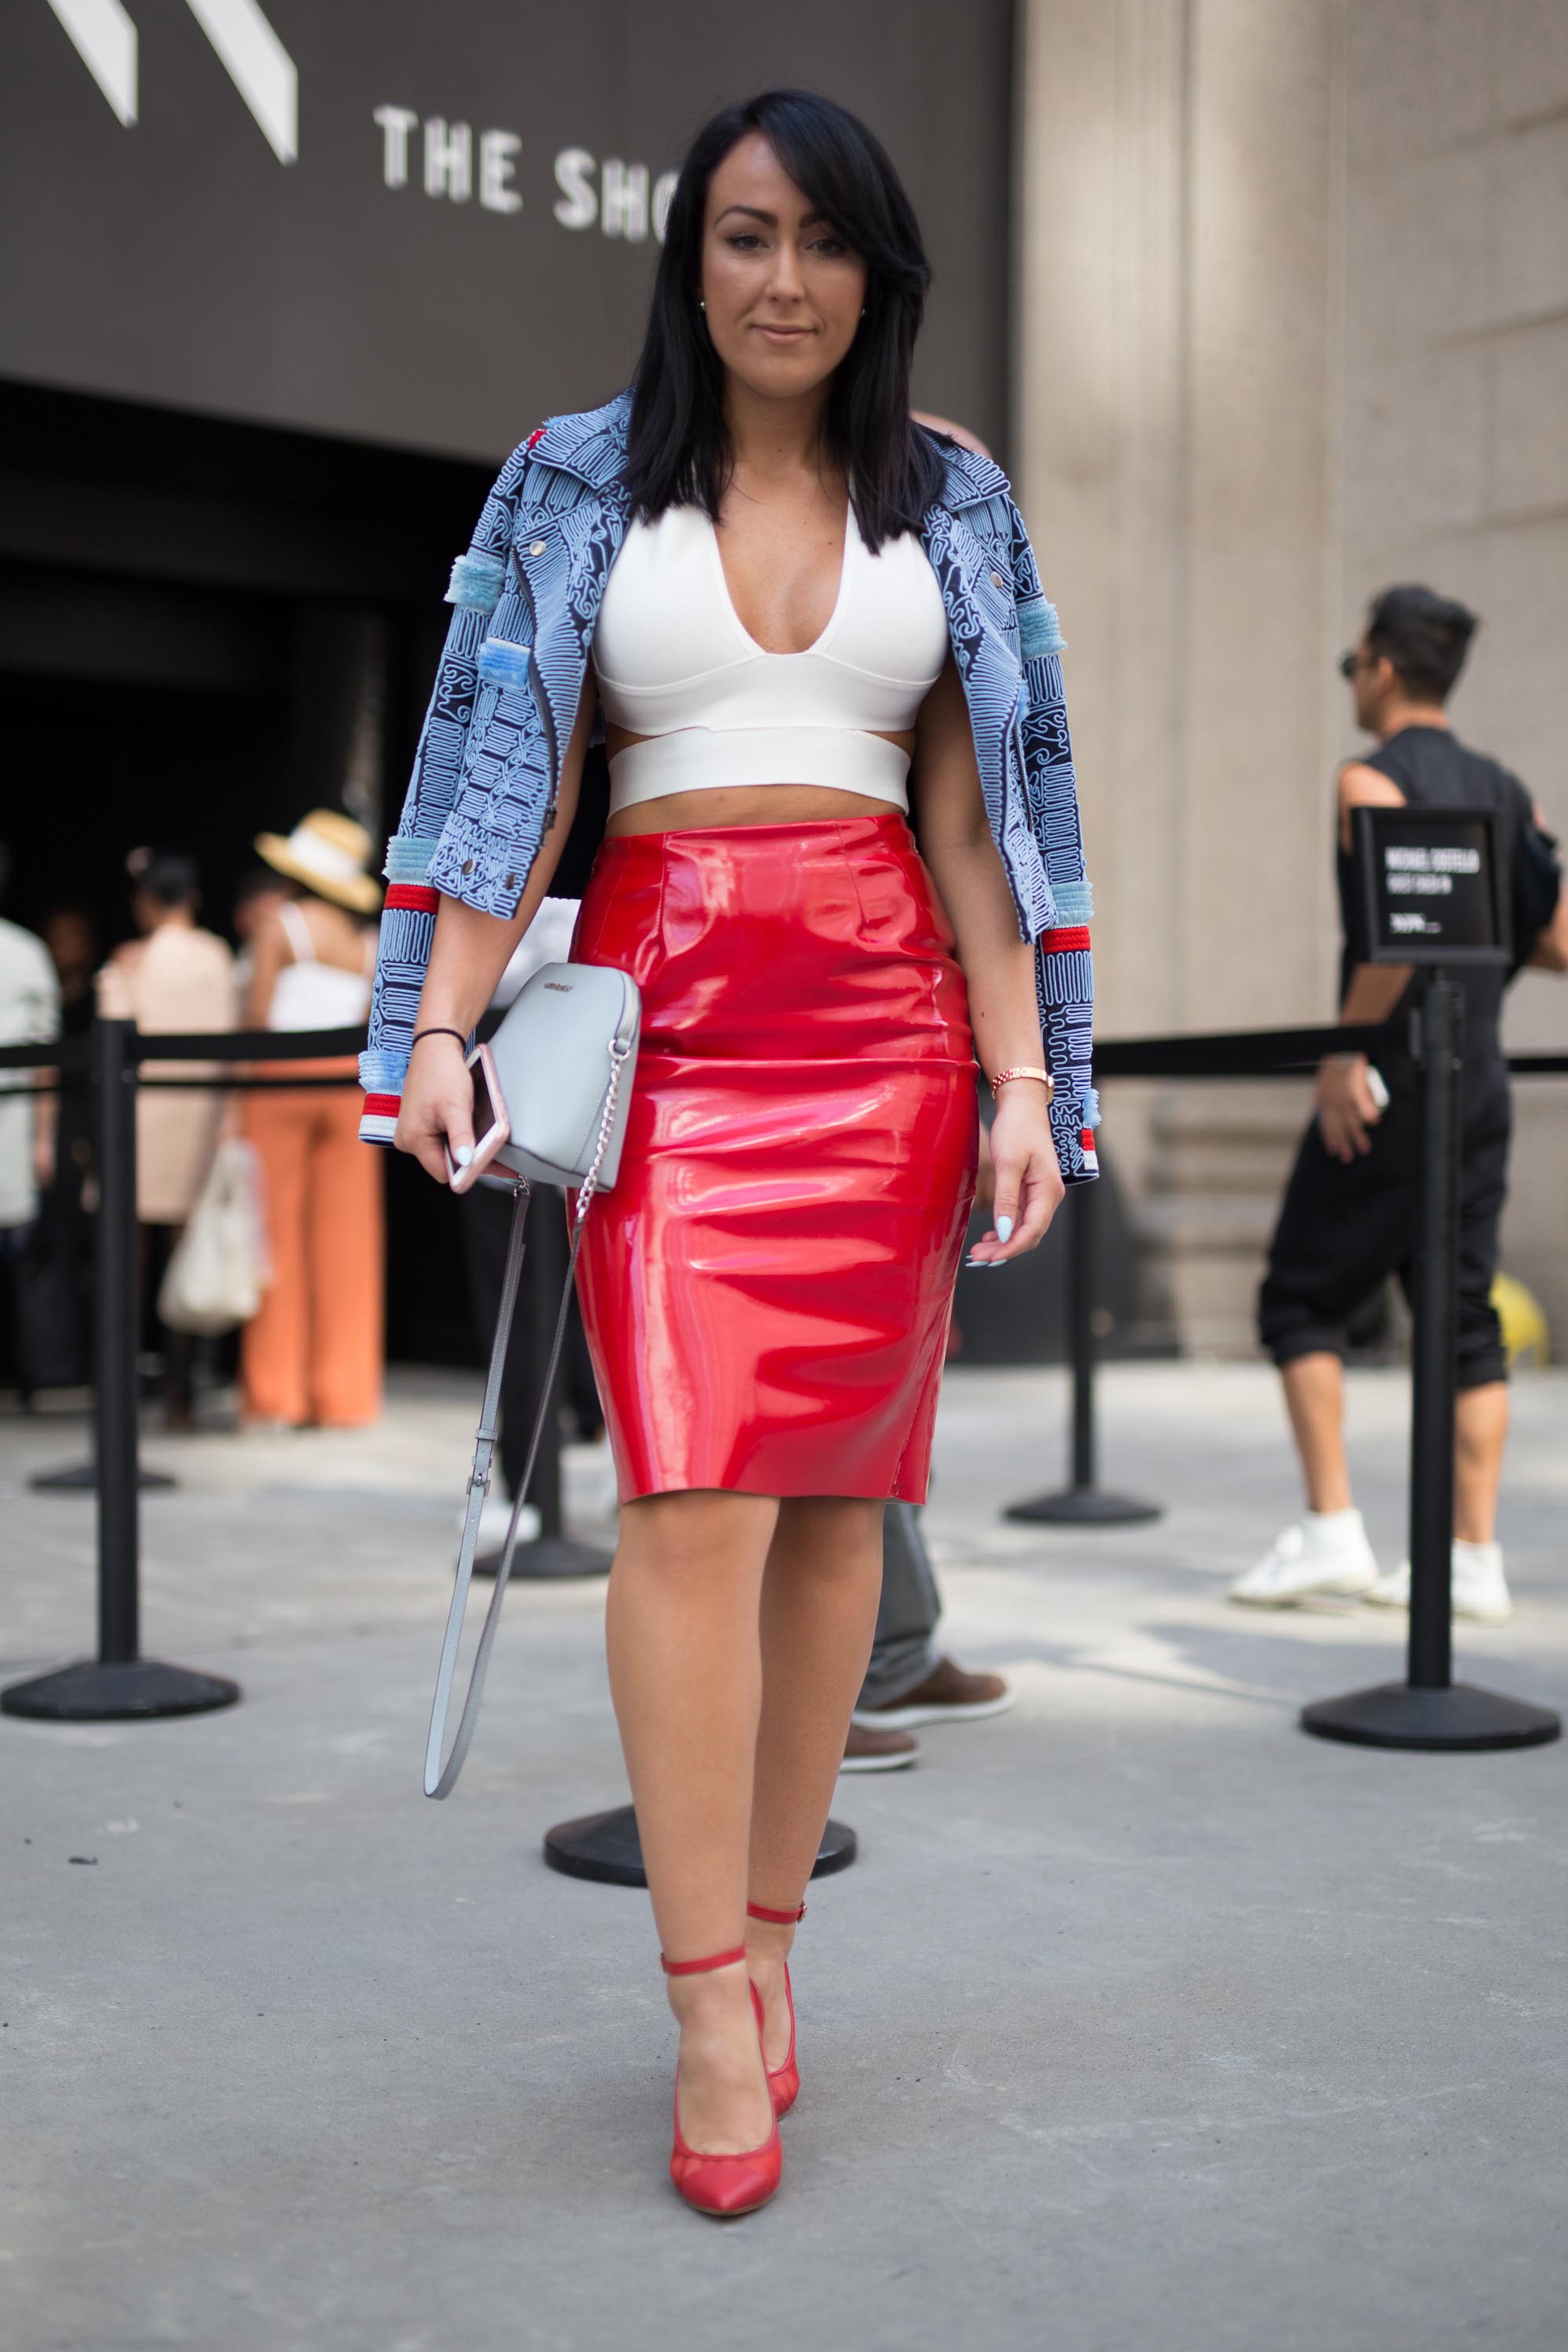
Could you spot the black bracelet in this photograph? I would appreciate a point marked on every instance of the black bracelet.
(457, 1034)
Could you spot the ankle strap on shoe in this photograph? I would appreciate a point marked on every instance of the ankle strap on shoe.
(701, 1967)
(775, 1918)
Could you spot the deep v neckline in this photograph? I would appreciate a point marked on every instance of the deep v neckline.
(829, 626)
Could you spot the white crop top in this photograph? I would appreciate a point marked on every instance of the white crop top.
(311, 994)
(675, 664)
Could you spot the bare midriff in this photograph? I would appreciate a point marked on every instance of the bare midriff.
(742, 803)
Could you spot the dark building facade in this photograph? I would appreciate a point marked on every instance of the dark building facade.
(283, 286)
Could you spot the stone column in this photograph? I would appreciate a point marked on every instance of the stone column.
(1455, 436)
(1175, 353)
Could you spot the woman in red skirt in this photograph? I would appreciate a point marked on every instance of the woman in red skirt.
(776, 606)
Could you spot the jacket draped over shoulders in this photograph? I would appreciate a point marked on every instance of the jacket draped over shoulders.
(525, 599)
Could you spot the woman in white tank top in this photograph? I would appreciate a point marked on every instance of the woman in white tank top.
(766, 1290)
(313, 1356)
(308, 993)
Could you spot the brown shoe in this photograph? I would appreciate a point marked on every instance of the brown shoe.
(878, 1751)
(948, 1695)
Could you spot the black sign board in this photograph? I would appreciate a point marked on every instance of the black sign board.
(433, 223)
(1433, 887)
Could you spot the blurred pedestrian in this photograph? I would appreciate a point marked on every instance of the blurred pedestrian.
(909, 1683)
(70, 935)
(173, 976)
(30, 1015)
(258, 896)
(313, 1356)
(56, 1277)
(1350, 1213)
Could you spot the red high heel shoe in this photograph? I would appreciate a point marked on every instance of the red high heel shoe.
(783, 2082)
(723, 2186)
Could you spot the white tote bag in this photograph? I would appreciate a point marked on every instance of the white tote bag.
(219, 1269)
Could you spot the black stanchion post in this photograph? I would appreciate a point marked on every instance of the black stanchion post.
(82, 1478)
(549, 1245)
(116, 1311)
(1434, 1361)
(552, 1552)
(119, 1682)
(1083, 1503)
(1429, 1710)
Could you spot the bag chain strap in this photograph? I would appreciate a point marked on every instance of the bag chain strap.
(440, 1779)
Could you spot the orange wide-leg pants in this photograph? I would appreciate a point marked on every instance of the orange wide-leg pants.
(314, 1352)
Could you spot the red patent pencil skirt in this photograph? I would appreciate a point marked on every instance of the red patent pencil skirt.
(766, 1290)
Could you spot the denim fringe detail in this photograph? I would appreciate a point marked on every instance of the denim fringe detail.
(1074, 902)
(1039, 631)
(502, 663)
(475, 583)
(408, 856)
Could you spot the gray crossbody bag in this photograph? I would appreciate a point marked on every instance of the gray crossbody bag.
(566, 1056)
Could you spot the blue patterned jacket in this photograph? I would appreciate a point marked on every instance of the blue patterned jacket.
(482, 796)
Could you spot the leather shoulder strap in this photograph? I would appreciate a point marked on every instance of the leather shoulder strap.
(440, 1779)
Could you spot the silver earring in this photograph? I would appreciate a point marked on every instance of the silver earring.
(702, 306)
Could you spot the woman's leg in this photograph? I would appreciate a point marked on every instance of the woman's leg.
(346, 1253)
(682, 1633)
(272, 1348)
(820, 1591)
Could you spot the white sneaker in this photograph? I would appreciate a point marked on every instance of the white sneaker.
(1325, 1552)
(1480, 1588)
(496, 1518)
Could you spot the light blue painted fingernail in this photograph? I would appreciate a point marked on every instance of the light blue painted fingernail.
(1004, 1229)
(463, 1154)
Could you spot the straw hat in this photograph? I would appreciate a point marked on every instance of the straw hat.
(328, 852)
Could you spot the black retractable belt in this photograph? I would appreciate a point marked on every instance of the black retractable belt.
(1083, 1503)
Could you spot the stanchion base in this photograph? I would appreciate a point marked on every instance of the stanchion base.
(1085, 1507)
(95, 1692)
(607, 1846)
(1394, 1715)
(548, 1556)
(81, 1478)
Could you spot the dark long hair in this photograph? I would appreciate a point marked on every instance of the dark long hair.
(679, 451)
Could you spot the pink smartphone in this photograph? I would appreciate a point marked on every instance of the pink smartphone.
(492, 1125)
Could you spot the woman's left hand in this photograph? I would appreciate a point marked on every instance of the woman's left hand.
(1028, 1180)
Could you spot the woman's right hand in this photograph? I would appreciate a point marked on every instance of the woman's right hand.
(437, 1112)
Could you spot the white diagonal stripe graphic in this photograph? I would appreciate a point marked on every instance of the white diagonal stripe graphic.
(260, 67)
(105, 40)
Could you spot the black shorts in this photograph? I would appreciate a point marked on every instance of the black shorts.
(1342, 1230)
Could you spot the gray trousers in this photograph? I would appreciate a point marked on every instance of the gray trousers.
(904, 1650)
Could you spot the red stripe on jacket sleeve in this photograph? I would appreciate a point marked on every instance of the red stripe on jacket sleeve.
(383, 1105)
(1074, 938)
(418, 896)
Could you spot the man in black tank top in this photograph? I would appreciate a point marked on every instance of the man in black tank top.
(1349, 1217)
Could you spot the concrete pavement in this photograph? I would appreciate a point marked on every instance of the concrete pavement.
(1143, 2021)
